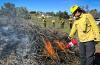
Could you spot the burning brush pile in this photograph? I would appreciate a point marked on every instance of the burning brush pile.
(22, 42)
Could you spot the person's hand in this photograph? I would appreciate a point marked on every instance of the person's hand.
(70, 37)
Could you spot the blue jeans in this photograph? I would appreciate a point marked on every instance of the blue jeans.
(87, 52)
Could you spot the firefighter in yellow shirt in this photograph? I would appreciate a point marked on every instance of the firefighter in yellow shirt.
(88, 33)
(44, 21)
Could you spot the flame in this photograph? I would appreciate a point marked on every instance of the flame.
(50, 50)
(60, 45)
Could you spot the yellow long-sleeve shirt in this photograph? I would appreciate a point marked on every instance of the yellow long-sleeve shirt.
(86, 27)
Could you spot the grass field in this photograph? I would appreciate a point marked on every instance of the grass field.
(49, 23)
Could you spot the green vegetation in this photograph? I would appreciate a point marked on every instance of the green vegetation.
(49, 23)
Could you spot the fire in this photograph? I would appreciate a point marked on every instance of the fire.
(50, 50)
(60, 45)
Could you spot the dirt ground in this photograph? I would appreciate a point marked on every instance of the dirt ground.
(98, 54)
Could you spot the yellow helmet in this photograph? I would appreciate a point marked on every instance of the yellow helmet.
(74, 8)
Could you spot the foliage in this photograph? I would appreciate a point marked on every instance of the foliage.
(51, 13)
(93, 12)
(62, 15)
(8, 9)
(33, 12)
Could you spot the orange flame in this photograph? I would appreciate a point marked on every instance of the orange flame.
(50, 51)
(60, 45)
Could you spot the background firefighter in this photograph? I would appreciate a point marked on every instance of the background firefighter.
(71, 22)
(53, 23)
(44, 21)
(62, 23)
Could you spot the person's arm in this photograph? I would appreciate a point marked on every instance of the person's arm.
(93, 24)
(73, 30)
(84, 26)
